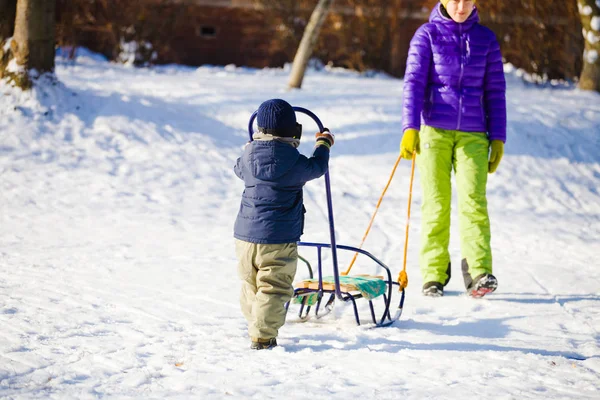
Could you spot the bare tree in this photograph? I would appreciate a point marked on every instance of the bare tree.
(307, 44)
(521, 25)
(33, 43)
(589, 10)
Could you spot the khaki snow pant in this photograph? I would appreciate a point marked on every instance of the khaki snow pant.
(441, 151)
(267, 272)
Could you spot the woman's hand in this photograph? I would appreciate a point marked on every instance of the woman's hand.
(496, 153)
(410, 143)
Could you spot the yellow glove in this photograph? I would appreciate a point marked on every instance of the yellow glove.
(410, 143)
(495, 155)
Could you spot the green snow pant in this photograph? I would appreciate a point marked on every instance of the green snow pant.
(267, 272)
(441, 151)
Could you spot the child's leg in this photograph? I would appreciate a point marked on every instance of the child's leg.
(471, 169)
(276, 270)
(435, 168)
(246, 252)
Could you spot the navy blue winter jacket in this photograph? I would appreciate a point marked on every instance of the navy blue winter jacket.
(274, 173)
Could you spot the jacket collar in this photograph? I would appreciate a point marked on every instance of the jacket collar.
(438, 18)
(266, 137)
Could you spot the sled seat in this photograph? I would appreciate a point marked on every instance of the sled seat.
(368, 286)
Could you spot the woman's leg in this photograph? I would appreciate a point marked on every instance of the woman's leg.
(435, 168)
(471, 169)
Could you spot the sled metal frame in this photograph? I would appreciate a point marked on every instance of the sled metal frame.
(386, 318)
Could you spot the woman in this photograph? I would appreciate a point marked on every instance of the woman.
(454, 111)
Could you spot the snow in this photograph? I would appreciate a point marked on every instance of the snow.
(117, 265)
(584, 10)
(595, 23)
(7, 44)
(14, 67)
(590, 56)
(592, 37)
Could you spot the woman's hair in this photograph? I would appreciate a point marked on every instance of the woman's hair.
(444, 11)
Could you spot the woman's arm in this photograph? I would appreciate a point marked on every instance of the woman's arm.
(415, 79)
(495, 93)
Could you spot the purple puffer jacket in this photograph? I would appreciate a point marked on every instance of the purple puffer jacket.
(454, 78)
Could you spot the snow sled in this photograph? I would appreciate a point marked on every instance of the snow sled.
(319, 293)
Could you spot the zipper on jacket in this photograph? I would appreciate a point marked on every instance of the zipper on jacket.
(462, 68)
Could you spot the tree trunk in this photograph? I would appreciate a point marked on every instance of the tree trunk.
(589, 10)
(307, 44)
(8, 10)
(33, 42)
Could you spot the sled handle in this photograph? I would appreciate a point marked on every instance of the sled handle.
(336, 274)
(297, 109)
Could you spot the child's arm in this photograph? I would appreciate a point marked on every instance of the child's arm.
(237, 168)
(495, 93)
(316, 166)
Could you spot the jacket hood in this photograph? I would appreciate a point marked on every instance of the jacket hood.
(437, 17)
(271, 159)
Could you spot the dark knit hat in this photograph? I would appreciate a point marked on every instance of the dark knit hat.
(277, 117)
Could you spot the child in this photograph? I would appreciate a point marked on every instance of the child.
(454, 112)
(271, 216)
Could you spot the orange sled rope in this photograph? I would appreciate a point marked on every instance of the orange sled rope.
(402, 276)
(374, 214)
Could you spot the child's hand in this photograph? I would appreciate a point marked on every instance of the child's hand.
(325, 138)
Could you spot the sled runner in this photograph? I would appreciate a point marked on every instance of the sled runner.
(321, 291)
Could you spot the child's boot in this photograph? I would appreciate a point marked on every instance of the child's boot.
(263, 344)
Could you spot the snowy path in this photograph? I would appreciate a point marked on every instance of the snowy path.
(117, 270)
